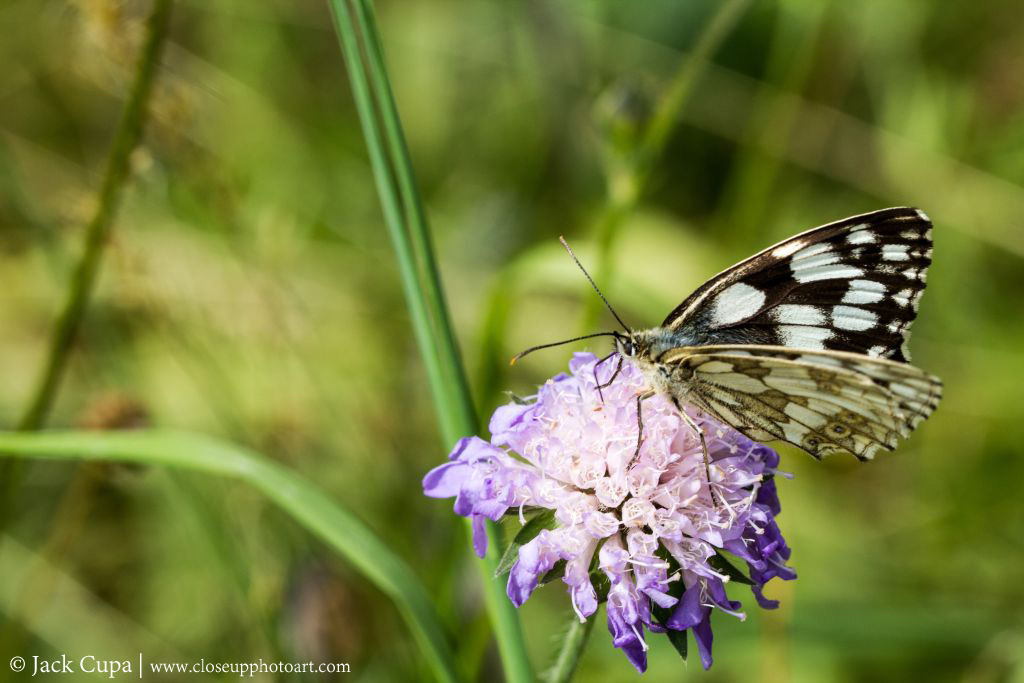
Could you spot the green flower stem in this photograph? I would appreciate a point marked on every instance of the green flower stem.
(672, 102)
(572, 649)
(310, 506)
(408, 229)
(115, 176)
(627, 183)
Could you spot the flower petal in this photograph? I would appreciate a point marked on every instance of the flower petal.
(703, 635)
(505, 418)
(536, 558)
(479, 535)
(445, 481)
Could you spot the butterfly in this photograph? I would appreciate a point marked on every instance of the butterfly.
(804, 342)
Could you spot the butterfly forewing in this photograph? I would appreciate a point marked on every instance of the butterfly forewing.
(820, 401)
(853, 285)
(803, 342)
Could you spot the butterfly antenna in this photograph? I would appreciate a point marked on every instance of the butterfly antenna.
(594, 284)
(559, 343)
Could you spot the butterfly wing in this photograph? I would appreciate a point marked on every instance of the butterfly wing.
(820, 401)
(852, 285)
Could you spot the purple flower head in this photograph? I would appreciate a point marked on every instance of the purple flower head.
(640, 533)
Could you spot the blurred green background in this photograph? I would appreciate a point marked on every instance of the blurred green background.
(249, 291)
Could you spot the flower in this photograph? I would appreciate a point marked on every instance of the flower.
(639, 531)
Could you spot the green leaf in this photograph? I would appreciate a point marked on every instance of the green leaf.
(556, 572)
(601, 585)
(673, 564)
(679, 641)
(519, 400)
(722, 565)
(310, 506)
(543, 518)
(662, 614)
(595, 560)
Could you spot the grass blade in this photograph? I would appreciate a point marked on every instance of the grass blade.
(310, 506)
(410, 236)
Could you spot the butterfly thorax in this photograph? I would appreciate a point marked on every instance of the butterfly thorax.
(651, 344)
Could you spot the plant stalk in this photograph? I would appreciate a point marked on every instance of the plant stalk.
(127, 135)
(408, 229)
(97, 234)
(627, 185)
(572, 650)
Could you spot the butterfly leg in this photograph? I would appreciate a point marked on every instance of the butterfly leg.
(640, 398)
(692, 424)
(618, 369)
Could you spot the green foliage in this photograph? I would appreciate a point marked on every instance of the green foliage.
(536, 521)
(721, 564)
(345, 534)
(679, 642)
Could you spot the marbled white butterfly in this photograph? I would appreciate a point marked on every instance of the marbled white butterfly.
(804, 342)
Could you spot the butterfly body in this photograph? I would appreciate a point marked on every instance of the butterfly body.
(804, 342)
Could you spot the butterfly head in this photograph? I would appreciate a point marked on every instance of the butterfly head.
(635, 345)
(630, 345)
(625, 345)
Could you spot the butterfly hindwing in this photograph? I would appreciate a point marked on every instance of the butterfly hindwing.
(820, 401)
(853, 285)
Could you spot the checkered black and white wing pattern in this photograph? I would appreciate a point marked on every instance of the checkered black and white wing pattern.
(853, 285)
(823, 402)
